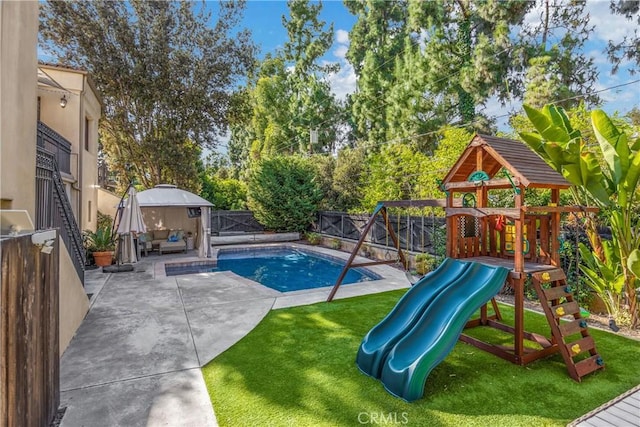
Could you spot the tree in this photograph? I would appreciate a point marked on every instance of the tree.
(283, 193)
(611, 266)
(450, 145)
(468, 50)
(393, 174)
(291, 96)
(414, 114)
(224, 193)
(629, 48)
(348, 175)
(377, 37)
(164, 75)
(559, 72)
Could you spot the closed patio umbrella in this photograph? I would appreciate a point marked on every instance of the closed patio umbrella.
(131, 222)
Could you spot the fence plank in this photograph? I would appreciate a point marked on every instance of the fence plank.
(29, 348)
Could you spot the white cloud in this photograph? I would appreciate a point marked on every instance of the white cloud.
(342, 37)
(341, 51)
(609, 26)
(344, 81)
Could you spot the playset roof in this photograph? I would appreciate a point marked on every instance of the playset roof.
(524, 165)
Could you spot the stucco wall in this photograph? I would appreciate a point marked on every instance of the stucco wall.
(18, 104)
(69, 122)
(107, 202)
(168, 218)
(74, 303)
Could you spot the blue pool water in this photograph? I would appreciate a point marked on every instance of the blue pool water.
(283, 269)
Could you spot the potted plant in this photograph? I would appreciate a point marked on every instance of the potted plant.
(101, 243)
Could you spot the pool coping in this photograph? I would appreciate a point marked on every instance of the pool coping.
(391, 278)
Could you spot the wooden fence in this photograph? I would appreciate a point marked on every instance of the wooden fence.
(29, 347)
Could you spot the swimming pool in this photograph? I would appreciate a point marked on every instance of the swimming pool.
(283, 269)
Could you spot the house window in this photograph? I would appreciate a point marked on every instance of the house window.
(89, 216)
(87, 122)
(38, 108)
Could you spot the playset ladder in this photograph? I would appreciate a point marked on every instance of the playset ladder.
(573, 338)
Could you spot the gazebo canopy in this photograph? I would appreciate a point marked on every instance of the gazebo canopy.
(168, 195)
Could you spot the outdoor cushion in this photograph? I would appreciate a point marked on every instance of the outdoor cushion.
(160, 234)
(175, 235)
(180, 245)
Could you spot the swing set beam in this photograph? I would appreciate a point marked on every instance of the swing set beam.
(381, 209)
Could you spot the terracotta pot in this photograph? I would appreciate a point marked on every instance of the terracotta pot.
(103, 259)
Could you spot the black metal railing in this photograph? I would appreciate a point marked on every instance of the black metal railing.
(415, 233)
(53, 208)
(234, 222)
(51, 141)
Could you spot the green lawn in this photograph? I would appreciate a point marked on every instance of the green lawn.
(296, 368)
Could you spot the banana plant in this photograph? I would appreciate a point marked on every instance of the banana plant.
(606, 279)
(612, 184)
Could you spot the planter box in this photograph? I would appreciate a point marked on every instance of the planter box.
(238, 238)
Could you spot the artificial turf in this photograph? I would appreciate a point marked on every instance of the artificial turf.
(297, 368)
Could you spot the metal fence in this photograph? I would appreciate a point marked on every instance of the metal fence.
(223, 222)
(415, 233)
(53, 209)
(54, 143)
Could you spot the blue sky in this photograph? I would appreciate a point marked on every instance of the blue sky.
(264, 18)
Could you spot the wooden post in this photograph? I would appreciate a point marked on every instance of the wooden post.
(519, 281)
(555, 229)
(451, 226)
(347, 266)
(394, 238)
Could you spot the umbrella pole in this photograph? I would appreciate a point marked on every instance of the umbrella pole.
(118, 267)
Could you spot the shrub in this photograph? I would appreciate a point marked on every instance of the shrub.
(104, 220)
(335, 243)
(314, 238)
(283, 193)
(425, 263)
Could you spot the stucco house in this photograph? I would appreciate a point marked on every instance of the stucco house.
(69, 103)
(48, 150)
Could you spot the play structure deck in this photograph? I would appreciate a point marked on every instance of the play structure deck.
(522, 240)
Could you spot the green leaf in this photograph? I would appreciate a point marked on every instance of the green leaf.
(534, 141)
(555, 153)
(593, 178)
(617, 285)
(631, 179)
(538, 119)
(572, 174)
(613, 144)
(633, 262)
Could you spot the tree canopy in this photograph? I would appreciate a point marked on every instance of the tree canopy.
(165, 73)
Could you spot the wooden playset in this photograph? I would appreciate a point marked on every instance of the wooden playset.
(523, 238)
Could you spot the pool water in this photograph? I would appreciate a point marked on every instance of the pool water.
(282, 269)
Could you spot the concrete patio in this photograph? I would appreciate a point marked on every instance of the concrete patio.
(136, 358)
